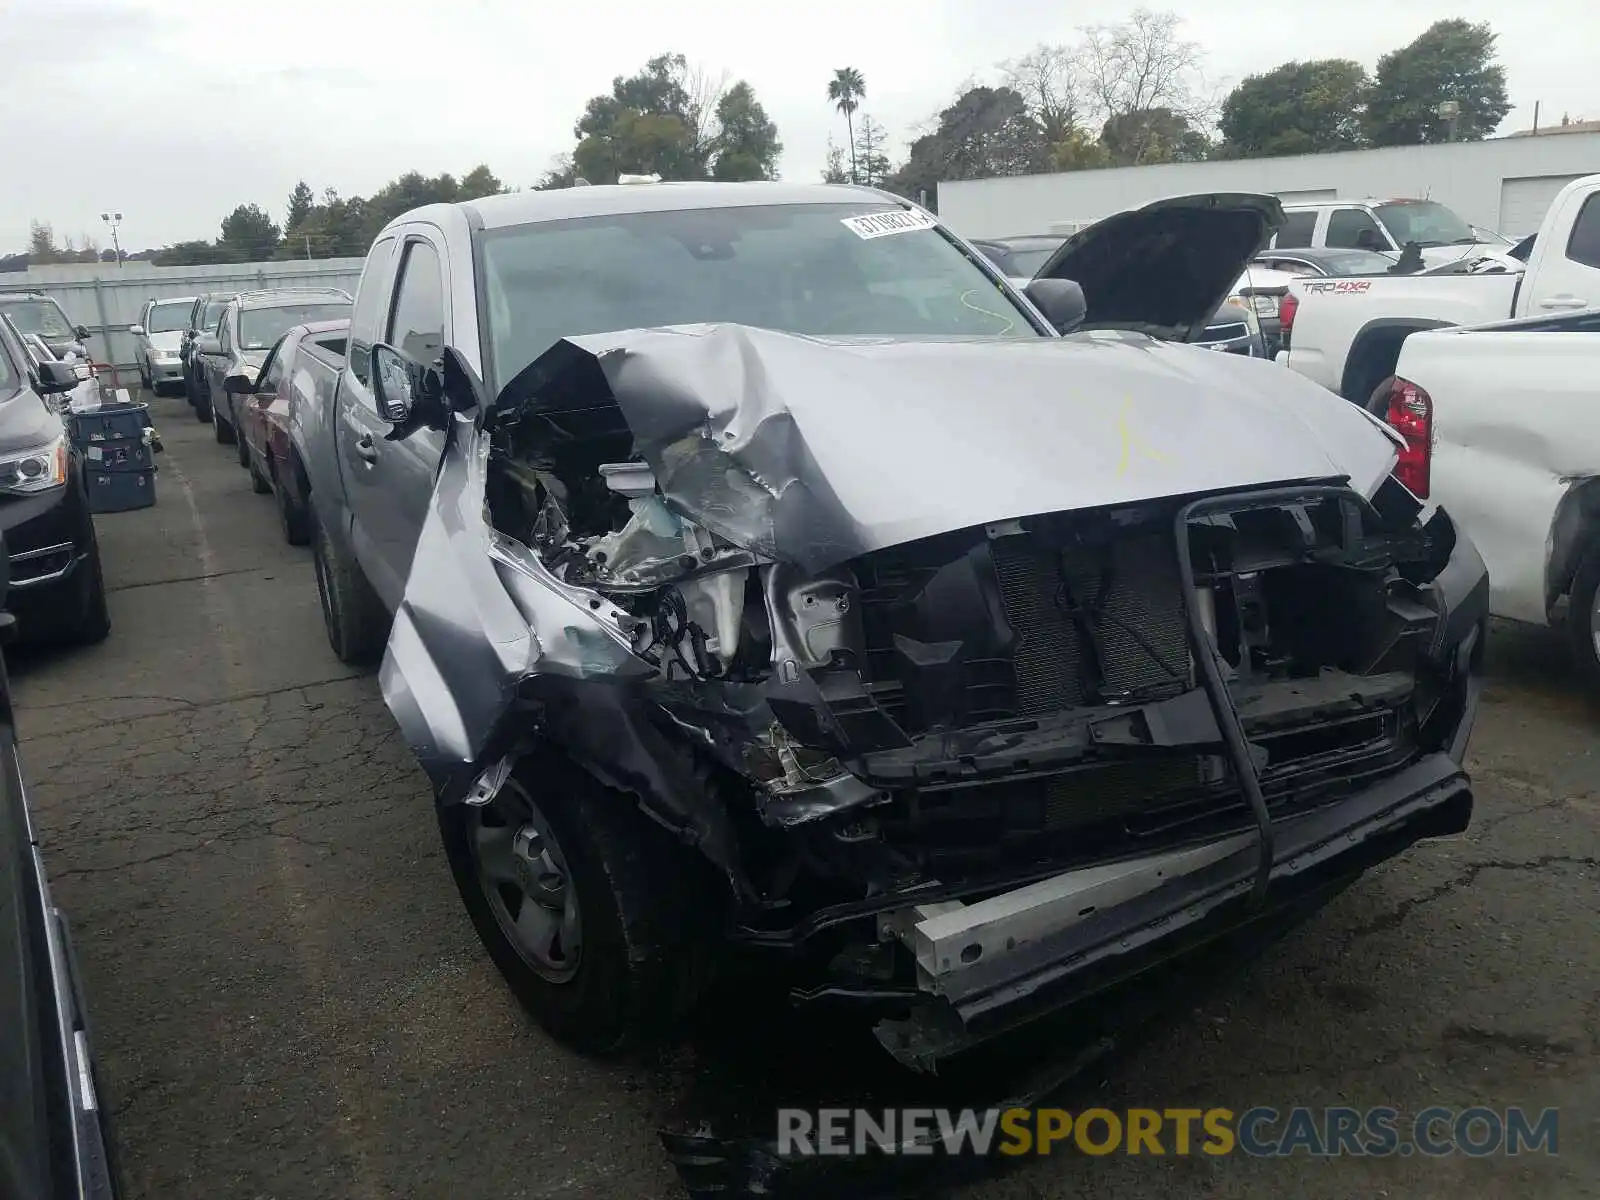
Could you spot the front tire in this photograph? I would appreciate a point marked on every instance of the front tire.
(259, 483)
(591, 913)
(352, 614)
(94, 625)
(202, 406)
(1583, 616)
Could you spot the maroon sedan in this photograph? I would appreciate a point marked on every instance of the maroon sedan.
(270, 443)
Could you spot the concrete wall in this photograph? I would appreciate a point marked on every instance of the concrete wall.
(108, 298)
(1467, 176)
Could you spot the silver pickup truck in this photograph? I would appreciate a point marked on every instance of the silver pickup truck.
(755, 569)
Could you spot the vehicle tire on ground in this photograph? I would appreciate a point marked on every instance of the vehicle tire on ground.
(352, 614)
(293, 518)
(259, 483)
(225, 434)
(244, 453)
(94, 624)
(144, 378)
(202, 406)
(1583, 615)
(596, 868)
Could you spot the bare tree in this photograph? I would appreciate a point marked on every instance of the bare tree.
(1047, 79)
(704, 88)
(1142, 64)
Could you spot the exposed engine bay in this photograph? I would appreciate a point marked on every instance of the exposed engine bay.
(887, 746)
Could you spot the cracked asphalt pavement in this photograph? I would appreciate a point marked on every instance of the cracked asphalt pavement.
(290, 1004)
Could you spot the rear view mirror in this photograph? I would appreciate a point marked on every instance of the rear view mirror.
(207, 343)
(136, 330)
(396, 383)
(1060, 300)
(238, 385)
(56, 377)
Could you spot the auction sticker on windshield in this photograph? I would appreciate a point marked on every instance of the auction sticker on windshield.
(876, 225)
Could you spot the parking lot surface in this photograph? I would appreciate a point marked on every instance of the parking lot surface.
(290, 1003)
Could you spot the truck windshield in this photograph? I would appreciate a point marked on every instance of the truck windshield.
(260, 327)
(800, 268)
(42, 316)
(169, 317)
(1426, 222)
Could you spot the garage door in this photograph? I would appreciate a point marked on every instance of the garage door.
(1524, 201)
(1310, 196)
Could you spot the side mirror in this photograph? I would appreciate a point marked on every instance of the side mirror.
(56, 377)
(207, 343)
(1060, 300)
(397, 382)
(82, 332)
(136, 330)
(238, 385)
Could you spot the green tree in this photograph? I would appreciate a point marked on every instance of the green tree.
(1152, 135)
(42, 246)
(833, 168)
(747, 145)
(1451, 60)
(560, 174)
(194, 253)
(480, 182)
(249, 234)
(985, 131)
(301, 200)
(648, 124)
(871, 152)
(846, 90)
(1297, 108)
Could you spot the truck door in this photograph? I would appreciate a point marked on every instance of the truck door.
(1565, 275)
(419, 326)
(359, 430)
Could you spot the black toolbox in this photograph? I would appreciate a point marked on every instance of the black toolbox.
(120, 491)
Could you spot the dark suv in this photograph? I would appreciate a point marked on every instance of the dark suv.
(249, 324)
(54, 559)
(203, 318)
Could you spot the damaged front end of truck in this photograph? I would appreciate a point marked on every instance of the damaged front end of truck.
(976, 708)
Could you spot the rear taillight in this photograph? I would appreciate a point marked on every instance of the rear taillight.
(1288, 305)
(1410, 414)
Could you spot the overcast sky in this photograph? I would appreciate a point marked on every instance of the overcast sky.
(177, 113)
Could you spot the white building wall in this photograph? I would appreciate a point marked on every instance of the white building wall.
(1495, 183)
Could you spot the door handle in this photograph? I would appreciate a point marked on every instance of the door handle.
(1565, 300)
(366, 448)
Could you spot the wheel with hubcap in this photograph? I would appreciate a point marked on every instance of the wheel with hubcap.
(591, 912)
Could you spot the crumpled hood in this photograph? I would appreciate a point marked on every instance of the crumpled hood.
(816, 451)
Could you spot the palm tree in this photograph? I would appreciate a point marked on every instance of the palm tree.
(847, 89)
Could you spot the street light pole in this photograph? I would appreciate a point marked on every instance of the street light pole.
(114, 219)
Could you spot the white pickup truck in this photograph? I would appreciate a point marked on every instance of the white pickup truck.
(1346, 334)
(1501, 427)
